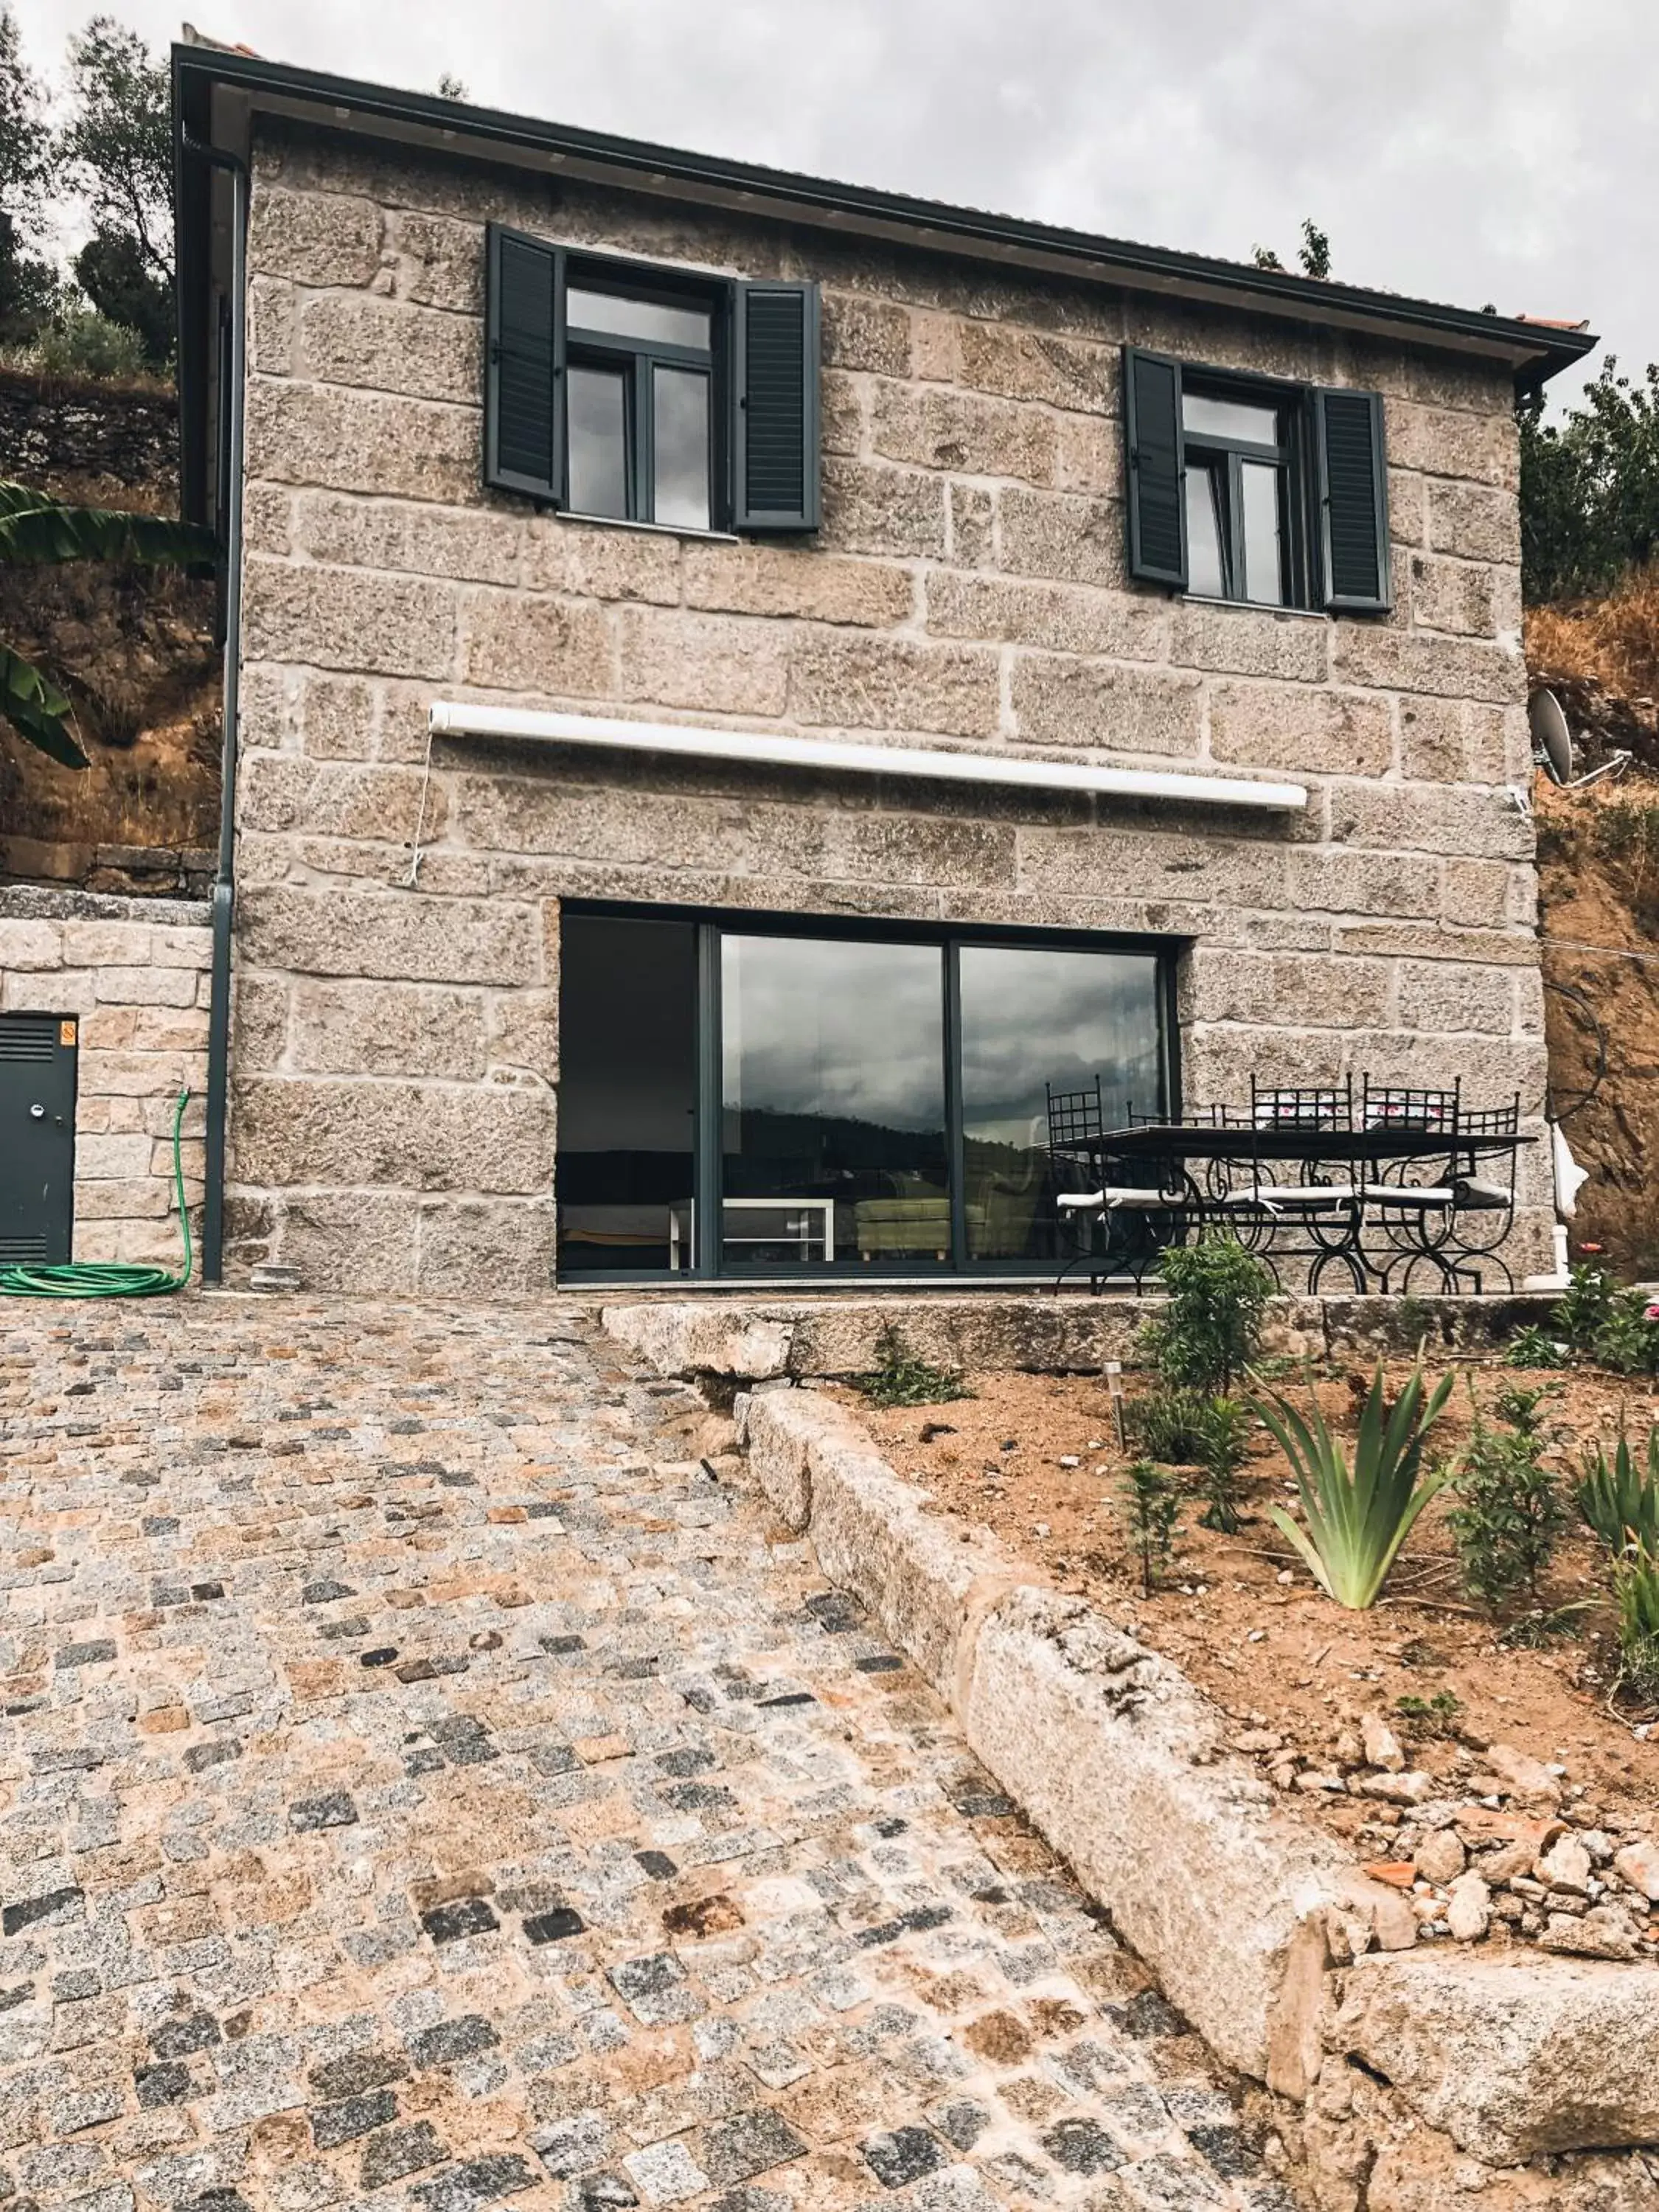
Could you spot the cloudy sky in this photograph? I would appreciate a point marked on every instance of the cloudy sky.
(1470, 150)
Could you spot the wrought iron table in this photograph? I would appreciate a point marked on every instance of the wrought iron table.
(1331, 1187)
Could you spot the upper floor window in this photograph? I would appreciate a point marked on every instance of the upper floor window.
(650, 395)
(1242, 488)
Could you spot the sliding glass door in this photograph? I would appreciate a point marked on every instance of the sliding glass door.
(832, 1103)
(1033, 1018)
(740, 1098)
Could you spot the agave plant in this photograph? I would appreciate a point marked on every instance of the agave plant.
(37, 529)
(1620, 1502)
(1358, 1517)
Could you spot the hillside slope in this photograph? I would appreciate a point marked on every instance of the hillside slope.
(1598, 861)
(133, 647)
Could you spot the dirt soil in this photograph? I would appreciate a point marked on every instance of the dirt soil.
(1598, 872)
(1241, 1615)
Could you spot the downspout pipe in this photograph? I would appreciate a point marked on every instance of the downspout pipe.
(224, 884)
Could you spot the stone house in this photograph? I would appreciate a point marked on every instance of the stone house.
(742, 684)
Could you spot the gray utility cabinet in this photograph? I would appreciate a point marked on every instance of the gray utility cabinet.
(37, 1137)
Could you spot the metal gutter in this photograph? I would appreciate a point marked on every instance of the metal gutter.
(224, 893)
(460, 718)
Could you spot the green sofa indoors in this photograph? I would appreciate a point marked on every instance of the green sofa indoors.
(914, 1216)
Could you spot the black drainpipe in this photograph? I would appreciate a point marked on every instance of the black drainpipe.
(224, 894)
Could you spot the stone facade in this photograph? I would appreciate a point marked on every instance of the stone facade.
(133, 973)
(396, 1056)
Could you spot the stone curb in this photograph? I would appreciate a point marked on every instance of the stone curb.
(1241, 1911)
(753, 1338)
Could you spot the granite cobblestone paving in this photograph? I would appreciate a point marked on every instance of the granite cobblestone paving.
(425, 1781)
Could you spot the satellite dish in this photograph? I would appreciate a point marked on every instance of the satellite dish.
(1550, 735)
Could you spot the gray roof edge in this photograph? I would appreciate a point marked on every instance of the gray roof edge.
(1534, 351)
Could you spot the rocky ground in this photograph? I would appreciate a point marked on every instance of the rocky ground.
(1484, 1780)
(423, 1783)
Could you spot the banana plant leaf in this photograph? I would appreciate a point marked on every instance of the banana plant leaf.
(35, 528)
(37, 709)
(1357, 1518)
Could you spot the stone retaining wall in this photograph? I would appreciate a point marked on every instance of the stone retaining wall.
(1283, 1955)
(734, 1338)
(59, 430)
(969, 585)
(134, 975)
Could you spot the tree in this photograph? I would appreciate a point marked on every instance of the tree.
(36, 529)
(117, 148)
(1589, 486)
(1314, 253)
(111, 270)
(28, 285)
(450, 86)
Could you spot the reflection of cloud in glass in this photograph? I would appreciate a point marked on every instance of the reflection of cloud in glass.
(819, 1026)
(1036, 1017)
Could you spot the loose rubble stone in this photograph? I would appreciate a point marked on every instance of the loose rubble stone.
(1603, 1932)
(1638, 1865)
(1565, 1865)
(1468, 1915)
(1523, 1777)
(1414, 1788)
(435, 1913)
(1382, 1745)
(1440, 1856)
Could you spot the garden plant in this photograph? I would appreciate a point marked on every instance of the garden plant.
(1358, 1514)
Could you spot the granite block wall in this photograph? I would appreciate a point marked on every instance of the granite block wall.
(395, 1066)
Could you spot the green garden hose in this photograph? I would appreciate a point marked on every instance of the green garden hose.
(110, 1279)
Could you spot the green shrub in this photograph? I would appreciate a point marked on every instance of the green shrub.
(1620, 1502)
(1170, 1426)
(1533, 1346)
(1357, 1516)
(1628, 1342)
(1509, 1515)
(1183, 1428)
(1211, 1329)
(1583, 1312)
(1636, 1586)
(83, 342)
(1624, 828)
(1224, 1443)
(899, 1378)
(1435, 1715)
(1600, 1321)
(1152, 1502)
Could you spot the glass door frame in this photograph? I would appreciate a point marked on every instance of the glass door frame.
(714, 925)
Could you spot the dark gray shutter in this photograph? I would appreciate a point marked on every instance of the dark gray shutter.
(522, 381)
(1156, 501)
(1353, 500)
(774, 390)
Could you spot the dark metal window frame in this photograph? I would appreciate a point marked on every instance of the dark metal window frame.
(1292, 455)
(712, 925)
(638, 358)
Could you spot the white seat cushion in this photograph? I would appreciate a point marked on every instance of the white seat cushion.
(1115, 1196)
(1409, 1194)
(1281, 1197)
(1482, 1196)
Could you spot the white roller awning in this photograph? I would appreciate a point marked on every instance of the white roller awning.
(459, 719)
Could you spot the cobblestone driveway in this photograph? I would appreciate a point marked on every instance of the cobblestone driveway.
(423, 1786)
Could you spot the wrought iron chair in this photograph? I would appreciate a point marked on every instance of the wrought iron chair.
(1410, 1200)
(1391, 1105)
(1135, 1220)
(1483, 1208)
(1314, 1217)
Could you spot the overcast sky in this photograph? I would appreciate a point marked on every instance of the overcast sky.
(1468, 150)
